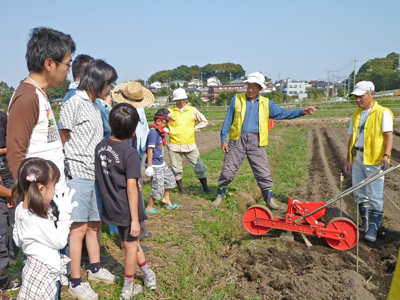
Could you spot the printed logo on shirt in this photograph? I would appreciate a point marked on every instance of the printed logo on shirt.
(52, 130)
(106, 160)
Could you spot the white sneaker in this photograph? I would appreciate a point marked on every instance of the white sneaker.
(82, 292)
(128, 294)
(151, 282)
(102, 275)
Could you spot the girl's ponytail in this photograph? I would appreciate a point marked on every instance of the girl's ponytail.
(35, 197)
(32, 172)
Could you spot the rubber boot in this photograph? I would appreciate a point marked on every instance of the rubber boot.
(364, 215)
(375, 218)
(220, 196)
(205, 185)
(180, 187)
(268, 195)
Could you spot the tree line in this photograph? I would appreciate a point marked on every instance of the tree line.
(383, 72)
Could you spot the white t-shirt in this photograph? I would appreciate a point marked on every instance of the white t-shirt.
(39, 237)
(387, 125)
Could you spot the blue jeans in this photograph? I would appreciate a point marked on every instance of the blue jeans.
(373, 191)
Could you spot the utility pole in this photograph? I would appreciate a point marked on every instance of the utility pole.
(354, 77)
(327, 94)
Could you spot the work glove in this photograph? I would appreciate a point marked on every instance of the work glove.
(385, 164)
(149, 171)
(166, 130)
(65, 205)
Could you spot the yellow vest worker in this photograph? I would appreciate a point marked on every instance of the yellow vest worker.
(370, 145)
(246, 123)
(188, 120)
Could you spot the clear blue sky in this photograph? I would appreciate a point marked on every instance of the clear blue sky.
(300, 39)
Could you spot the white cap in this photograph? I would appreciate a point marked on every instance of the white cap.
(179, 94)
(256, 77)
(362, 87)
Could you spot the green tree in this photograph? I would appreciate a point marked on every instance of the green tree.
(58, 92)
(173, 86)
(5, 93)
(224, 98)
(383, 72)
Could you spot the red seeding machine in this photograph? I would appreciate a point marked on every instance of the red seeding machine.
(340, 233)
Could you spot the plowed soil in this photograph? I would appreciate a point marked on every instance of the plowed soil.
(296, 271)
(320, 272)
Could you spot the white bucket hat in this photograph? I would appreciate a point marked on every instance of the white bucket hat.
(179, 94)
(258, 78)
(362, 87)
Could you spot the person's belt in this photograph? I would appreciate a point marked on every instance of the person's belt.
(359, 149)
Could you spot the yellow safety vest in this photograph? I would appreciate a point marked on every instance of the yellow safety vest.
(181, 131)
(374, 140)
(240, 110)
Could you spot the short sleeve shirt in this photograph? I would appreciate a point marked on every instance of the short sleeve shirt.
(154, 140)
(387, 125)
(83, 120)
(116, 162)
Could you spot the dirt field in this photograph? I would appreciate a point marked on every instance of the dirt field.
(319, 272)
(296, 271)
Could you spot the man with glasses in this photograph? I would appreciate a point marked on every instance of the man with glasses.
(246, 122)
(32, 130)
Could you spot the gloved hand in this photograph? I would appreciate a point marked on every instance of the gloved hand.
(166, 130)
(64, 205)
(385, 164)
(149, 171)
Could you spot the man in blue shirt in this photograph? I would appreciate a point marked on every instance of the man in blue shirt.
(246, 122)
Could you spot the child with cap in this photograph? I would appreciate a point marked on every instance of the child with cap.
(162, 179)
(117, 166)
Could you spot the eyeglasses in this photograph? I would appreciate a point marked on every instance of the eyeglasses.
(164, 121)
(68, 65)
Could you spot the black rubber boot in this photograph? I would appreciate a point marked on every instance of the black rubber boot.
(375, 218)
(268, 196)
(205, 186)
(220, 196)
(180, 187)
(364, 215)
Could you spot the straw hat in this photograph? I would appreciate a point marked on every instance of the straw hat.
(133, 93)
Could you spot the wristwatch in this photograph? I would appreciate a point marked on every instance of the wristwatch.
(388, 155)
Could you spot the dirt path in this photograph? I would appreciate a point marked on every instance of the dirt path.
(320, 272)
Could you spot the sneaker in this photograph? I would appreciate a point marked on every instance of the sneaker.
(82, 292)
(128, 294)
(151, 282)
(102, 275)
(11, 285)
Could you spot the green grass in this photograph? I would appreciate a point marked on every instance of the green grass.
(200, 265)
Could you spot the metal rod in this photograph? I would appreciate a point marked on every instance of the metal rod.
(358, 235)
(341, 188)
(366, 181)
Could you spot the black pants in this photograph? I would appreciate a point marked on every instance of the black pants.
(8, 249)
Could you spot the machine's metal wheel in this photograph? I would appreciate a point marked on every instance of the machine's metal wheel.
(250, 219)
(349, 227)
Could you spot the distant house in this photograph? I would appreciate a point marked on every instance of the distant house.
(320, 85)
(270, 88)
(237, 81)
(156, 85)
(195, 83)
(294, 88)
(204, 94)
(215, 90)
(213, 81)
(180, 82)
